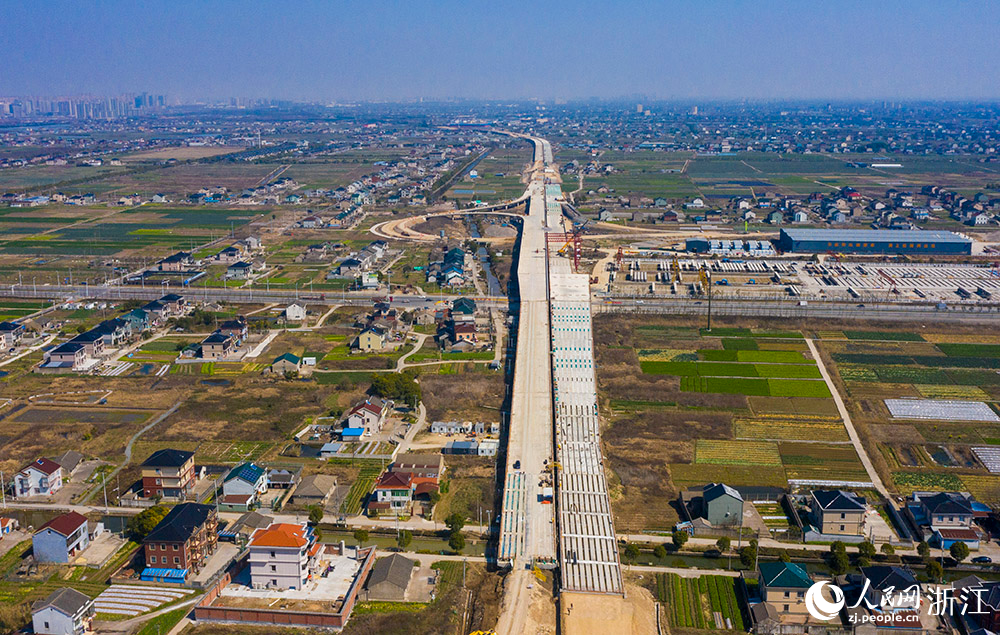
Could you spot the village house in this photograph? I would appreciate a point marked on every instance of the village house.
(243, 486)
(389, 578)
(369, 415)
(783, 585)
(393, 494)
(169, 474)
(283, 556)
(218, 346)
(239, 270)
(61, 539)
(65, 611)
(286, 363)
(43, 477)
(314, 489)
(11, 333)
(182, 541)
(721, 505)
(295, 312)
(237, 328)
(837, 512)
(180, 261)
(371, 340)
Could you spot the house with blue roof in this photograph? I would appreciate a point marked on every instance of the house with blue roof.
(243, 486)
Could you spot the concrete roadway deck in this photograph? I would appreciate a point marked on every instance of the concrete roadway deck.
(527, 531)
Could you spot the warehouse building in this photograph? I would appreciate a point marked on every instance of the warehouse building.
(873, 241)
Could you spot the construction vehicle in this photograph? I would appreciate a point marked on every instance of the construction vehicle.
(675, 270)
(538, 573)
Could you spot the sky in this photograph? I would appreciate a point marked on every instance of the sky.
(344, 51)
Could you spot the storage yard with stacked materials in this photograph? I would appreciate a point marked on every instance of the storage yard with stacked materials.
(833, 278)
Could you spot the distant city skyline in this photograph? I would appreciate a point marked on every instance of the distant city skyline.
(840, 50)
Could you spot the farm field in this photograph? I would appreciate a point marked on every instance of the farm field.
(922, 454)
(739, 405)
(705, 602)
(499, 176)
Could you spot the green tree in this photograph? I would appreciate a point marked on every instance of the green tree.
(679, 538)
(455, 521)
(867, 549)
(924, 549)
(838, 547)
(723, 544)
(864, 561)
(783, 556)
(435, 497)
(959, 551)
(315, 514)
(404, 539)
(631, 553)
(361, 536)
(142, 523)
(399, 386)
(887, 550)
(660, 552)
(748, 556)
(839, 562)
(456, 541)
(934, 570)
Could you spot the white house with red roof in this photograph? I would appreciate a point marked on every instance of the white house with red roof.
(369, 415)
(283, 556)
(44, 477)
(393, 494)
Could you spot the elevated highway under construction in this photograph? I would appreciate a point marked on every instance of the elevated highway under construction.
(556, 512)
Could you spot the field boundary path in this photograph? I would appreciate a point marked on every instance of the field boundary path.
(851, 431)
(128, 447)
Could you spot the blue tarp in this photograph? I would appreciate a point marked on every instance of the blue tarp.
(152, 574)
(352, 432)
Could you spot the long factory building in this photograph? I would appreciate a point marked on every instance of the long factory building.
(873, 241)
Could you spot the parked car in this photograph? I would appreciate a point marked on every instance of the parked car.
(983, 560)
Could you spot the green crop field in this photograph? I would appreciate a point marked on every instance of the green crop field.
(931, 481)
(756, 386)
(694, 602)
(726, 369)
(970, 350)
(774, 357)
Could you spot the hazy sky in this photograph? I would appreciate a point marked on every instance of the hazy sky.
(379, 49)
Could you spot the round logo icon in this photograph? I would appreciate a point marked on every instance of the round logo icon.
(821, 608)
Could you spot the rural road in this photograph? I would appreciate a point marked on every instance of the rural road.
(846, 416)
(131, 442)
